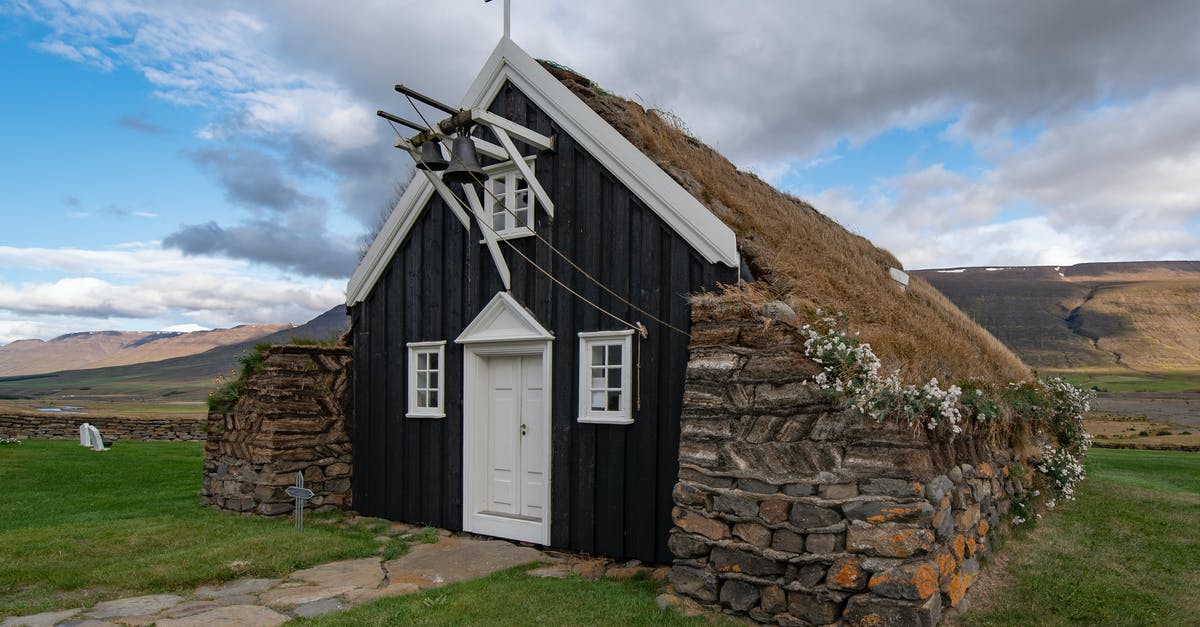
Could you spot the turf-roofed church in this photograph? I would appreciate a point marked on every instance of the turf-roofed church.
(501, 386)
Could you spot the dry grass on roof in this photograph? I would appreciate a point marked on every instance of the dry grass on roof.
(810, 261)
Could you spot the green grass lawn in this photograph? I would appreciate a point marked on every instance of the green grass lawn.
(79, 526)
(510, 597)
(1130, 381)
(1126, 552)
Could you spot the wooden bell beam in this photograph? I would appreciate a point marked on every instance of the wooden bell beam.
(438, 185)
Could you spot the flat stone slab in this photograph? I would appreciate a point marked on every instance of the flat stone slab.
(134, 606)
(360, 595)
(45, 619)
(236, 587)
(360, 573)
(88, 622)
(456, 559)
(558, 571)
(317, 608)
(229, 616)
(291, 597)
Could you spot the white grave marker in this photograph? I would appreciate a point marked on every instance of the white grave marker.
(97, 441)
(85, 436)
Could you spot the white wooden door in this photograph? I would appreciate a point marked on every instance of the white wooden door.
(516, 464)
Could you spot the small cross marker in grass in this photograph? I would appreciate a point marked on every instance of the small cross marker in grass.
(301, 494)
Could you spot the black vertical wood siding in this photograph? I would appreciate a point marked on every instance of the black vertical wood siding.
(610, 484)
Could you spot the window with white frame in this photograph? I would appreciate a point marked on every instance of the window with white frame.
(605, 377)
(509, 203)
(426, 383)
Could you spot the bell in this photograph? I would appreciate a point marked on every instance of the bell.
(431, 157)
(464, 166)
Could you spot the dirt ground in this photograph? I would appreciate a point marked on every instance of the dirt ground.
(1146, 418)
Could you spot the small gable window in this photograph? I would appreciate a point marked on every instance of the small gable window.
(605, 377)
(509, 203)
(426, 390)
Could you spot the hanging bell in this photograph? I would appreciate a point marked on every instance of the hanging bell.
(464, 166)
(431, 157)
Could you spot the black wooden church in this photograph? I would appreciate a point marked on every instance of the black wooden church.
(503, 385)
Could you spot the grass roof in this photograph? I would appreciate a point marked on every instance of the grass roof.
(806, 259)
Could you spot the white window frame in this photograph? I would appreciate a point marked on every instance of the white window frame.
(587, 340)
(427, 348)
(510, 174)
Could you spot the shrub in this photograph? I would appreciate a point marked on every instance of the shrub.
(229, 390)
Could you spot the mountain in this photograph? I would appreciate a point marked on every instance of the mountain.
(99, 349)
(1132, 316)
(187, 378)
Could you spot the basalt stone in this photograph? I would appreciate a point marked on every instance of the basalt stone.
(889, 511)
(815, 607)
(687, 546)
(847, 573)
(897, 488)
(805, 575)
(799, 489)
(774, 599)
(838, 491)
(694, 582)
(753, 533)
(823, 543)
(967, 518)
(888, 540)
(773, 511)
(725, 559)
(734, 504)
(943, 522)
(686, 494)
(806, 516)
(695, 523)
(868, 610)
(955, 475)
(739, 595)
(914, 582)
(788, 541)
(756, 486)
(695, 476)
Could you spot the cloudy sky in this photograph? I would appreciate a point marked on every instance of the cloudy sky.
(212, 163)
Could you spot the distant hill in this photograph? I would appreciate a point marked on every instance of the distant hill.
(188, 378)
(1140, 316)
(98, 349)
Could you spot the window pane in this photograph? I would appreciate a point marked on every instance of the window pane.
(433, 361)
(597, 377)
(422, 360)
(614, 378)
(614, 355)
(422, 379)
(422, 398)
(598, 401)
(597, 355)
(521, 199)
(614, 401)
(522, 217)
(498, 187)
(498, 221)
(433, 380)
(520, 183)
(433, 398)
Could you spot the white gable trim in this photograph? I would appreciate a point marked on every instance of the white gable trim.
(503, 319)
(686, 215)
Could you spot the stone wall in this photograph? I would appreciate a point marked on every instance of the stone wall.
(56, 426)
(791, 511)
(292, 415)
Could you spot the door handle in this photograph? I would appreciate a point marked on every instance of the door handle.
(523, 429)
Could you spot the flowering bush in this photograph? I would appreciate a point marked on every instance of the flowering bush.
(1062, 471)
(852, 370)
(8, 440)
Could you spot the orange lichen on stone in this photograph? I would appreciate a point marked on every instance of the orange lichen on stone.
(869, 620)
(846, 574)
(959, 546)
(958, 588)
(946, 562)
(926, 581)
(983, 527)
(971, 546)
(1004, 471)
(984, 471)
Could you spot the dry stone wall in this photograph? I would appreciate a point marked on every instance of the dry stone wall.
(53, 426)
(292, 415)
(791, 511)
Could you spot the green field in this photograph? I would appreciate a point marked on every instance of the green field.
(1129, 380)
(79, 526)
(1126, 552)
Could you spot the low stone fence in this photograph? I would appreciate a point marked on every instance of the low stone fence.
(791, 511)
(53, 426)
(291, 416)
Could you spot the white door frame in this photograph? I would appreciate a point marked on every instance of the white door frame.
(503, 328)
(475, 416)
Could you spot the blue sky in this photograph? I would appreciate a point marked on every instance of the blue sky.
(176, 163)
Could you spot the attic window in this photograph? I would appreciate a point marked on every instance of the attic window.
(509, 203)
(426, 389)
(605, 377)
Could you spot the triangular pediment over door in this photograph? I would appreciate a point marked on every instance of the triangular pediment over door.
(502, 320)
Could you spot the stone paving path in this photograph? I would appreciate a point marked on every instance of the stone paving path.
(310, 592)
